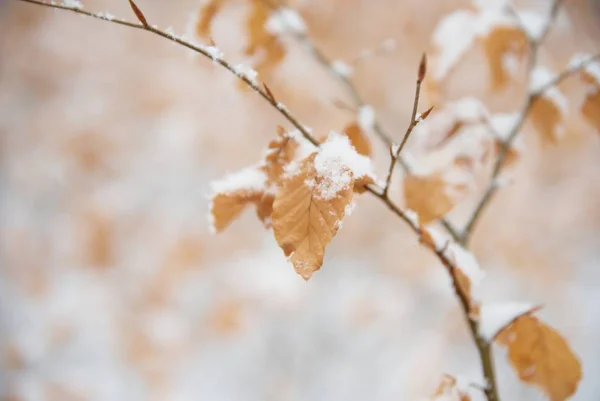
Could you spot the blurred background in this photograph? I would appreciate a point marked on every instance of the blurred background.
(112, 287)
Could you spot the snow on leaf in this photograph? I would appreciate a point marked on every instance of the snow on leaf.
(231, 195)
(339, 165)
(453, 36)
(253, 185)
(591, 76)
(433, 238)
(468, 274)
(261, 40)
(456, 34)
(541, 357)
(304, 221)
(592, 69)
(502, 40)
(226, 208)
(493, 317)
(449, 390)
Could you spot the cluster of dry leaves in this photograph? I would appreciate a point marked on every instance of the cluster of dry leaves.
(304, 192)
(301, 191)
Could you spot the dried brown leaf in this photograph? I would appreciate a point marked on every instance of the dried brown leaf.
(542, 357)
(304, 223)
(448, 391)
(591, 105)
(206, 16)
(546, 118)
(358, 138)
(227, 207)
(501, 40)
(432, 196)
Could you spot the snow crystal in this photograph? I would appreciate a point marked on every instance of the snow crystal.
(216, 54)
(245, 71)
(105, 15)
(248, 179)
(285, 19)
(337, 163)
(494, 317)
(341, 68)
(540, 77)
(592, 69)
(72, 3)
(467, 263)
(366, 117)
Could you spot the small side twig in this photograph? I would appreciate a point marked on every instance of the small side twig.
(534, 44)
(414, 120)
(345, 79)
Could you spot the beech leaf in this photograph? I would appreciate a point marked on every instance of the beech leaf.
(303, 221)
(541, 357)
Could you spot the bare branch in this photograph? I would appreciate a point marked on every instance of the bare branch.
(395, 151)
(534, 46)
(330, 65)
(484, 348)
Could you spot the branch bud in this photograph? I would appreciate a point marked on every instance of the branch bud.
(422, 68)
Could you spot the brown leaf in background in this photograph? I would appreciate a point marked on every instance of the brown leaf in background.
(448, 391)
(542, 357)
(358, 138)
(591, 105)
(227, 207)
(432, 196)
(501, 40)
(280, 152)
(546, 118)
(303, 223)
(206, 16)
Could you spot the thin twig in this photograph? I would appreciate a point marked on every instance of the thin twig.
(533, 52)
(204, 50)
(396, 151)
(483, 347)
(329, 65)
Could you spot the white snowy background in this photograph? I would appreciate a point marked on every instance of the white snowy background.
(112, 287)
